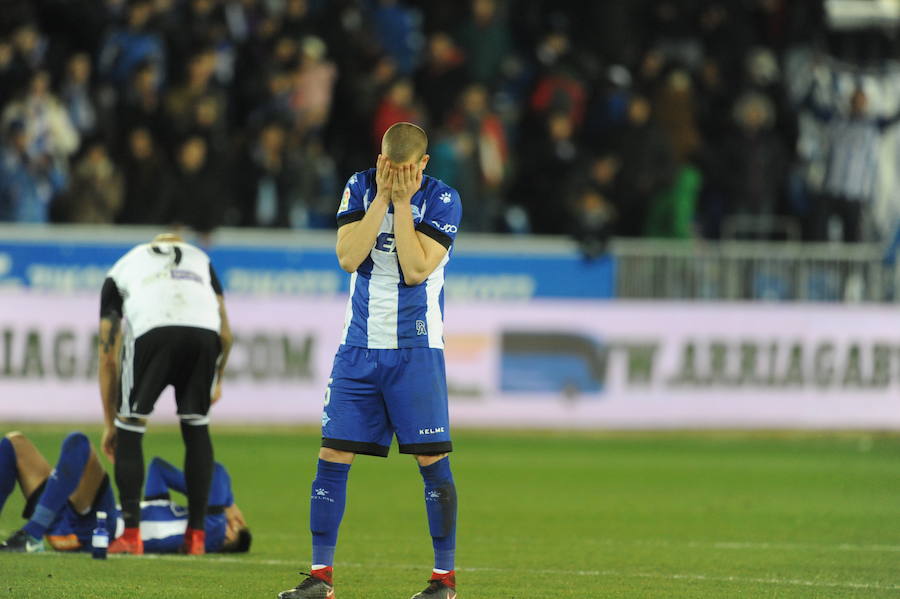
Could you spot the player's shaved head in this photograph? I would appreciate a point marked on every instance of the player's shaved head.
(168, 238)
(404, 142)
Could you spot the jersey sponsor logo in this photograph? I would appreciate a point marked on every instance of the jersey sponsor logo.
(386, 243)
(421, 328)
(448, 228)
(416, 212)
(186, 275)
(431, 431)
(345, 200)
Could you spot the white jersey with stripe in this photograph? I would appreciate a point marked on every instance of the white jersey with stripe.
(383, 312)
(166, 284)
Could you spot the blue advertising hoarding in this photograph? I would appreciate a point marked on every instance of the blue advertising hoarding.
(79, 266)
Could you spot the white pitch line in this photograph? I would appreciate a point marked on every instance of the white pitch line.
(510, 571)
(768, 545)
(875, 586)
(737, 545)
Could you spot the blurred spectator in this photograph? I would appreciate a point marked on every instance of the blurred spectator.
(298, 20)
(141, 104)
(95, 191)
(851, 173)
(28, 183)
(78, 96)
(648, 166)
(319, 185)
(268, 179)
(671, 211)
(398, 30)
(548, 173)
(8, 74)
(132, 45)
(755, 160)
(484, 152)
(674, 107)
(198, 199)
(48, 130)
(148, 184)
(31, 50)
(198, 89)
(560, 91)
(441, 78)
(398, 104)
(592, 222)
(313, 85)
(485, 40)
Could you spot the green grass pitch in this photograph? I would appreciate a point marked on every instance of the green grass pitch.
(635, 515)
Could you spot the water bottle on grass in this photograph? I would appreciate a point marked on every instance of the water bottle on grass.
(100, 537)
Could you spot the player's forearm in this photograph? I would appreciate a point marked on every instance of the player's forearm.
(225, 336)
(355, 244)
(108, 344)
(410, 252)
(108, 383)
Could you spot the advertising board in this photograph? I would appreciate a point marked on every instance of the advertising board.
(543, 364)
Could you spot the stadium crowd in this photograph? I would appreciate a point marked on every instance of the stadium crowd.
(658, 118)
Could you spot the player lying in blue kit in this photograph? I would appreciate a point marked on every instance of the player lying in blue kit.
(62, 503)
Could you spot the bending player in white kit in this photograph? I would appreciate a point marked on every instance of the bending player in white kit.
(162, 304)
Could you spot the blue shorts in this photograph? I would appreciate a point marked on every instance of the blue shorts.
(374, 394)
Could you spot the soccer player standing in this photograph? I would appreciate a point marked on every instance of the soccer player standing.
(396, 227)
(175, 333)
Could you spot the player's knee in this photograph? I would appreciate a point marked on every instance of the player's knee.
(130, 424)
(15, 436)
(428, 460)
(77, 444)
(336, 455)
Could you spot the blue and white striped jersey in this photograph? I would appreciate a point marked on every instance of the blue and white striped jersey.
(383, 312)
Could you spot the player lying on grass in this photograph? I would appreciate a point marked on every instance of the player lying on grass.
(62, 503)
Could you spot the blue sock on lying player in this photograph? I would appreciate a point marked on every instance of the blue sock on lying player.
(440, 504)
(9, 473)
(73, 457)
(329, 496)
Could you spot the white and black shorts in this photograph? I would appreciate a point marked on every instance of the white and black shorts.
(184, 357)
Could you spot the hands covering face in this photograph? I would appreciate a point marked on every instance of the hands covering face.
(397, 182)
(407, 179)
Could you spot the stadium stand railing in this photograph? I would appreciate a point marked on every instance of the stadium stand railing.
(736, 270)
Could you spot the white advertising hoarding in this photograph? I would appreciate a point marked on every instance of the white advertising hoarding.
(549, 364)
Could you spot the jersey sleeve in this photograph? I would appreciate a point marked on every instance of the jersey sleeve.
(214, 281)
(110, 300)
(351, 208)
(442, 215)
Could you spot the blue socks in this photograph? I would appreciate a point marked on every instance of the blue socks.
(9, 473)
(63, 481)
(329, 496)
(440, 504)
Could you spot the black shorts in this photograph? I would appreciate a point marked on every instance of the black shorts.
(185, 357)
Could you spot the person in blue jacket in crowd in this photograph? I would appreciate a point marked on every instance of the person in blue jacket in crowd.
(62, 502)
